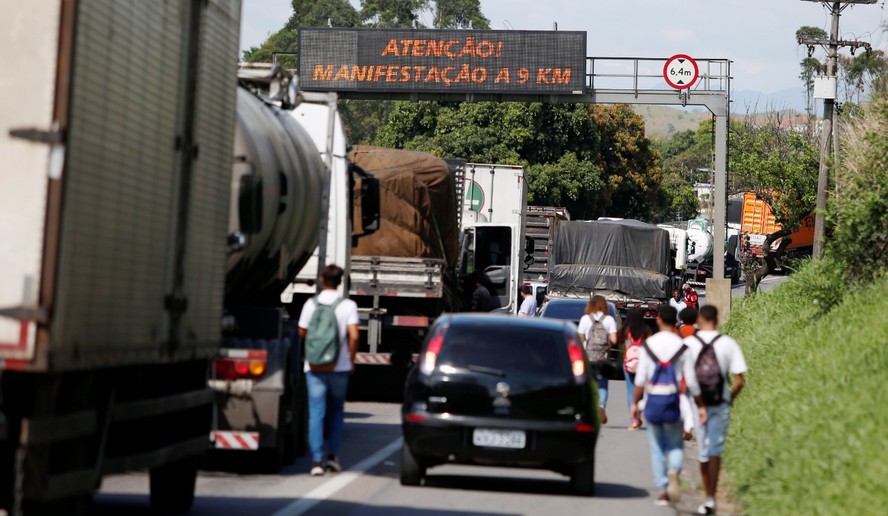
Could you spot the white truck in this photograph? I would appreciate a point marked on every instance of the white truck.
(116, 129)
(493, 231)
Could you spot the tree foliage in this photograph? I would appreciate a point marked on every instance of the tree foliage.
(859, 212)
(595, 160)
(780, 165)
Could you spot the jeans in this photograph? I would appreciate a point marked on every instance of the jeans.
(325, 390)
(602, 391)
(667, 451)
(711, 436)
(630, 387)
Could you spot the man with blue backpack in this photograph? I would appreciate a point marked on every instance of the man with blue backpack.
(328, 326)
(664, 371)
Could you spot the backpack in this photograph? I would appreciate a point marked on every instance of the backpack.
(709, 375)
(662, 403)
(596, 341)
(322, 338)
(631, 355)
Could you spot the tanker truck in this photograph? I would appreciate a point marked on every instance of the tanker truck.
(291, 215)
(139, 219)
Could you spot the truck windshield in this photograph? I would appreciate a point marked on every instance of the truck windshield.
(493, 246)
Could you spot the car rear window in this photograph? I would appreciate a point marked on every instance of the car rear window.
(567, 311)
(515, 351)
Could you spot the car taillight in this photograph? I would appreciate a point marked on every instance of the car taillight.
(577, 364)
(431, 355)
(240, 364)
(585, 427)
(415, 418)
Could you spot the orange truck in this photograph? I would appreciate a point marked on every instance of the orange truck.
(757, 222)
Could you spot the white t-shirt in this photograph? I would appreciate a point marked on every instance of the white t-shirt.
(678, 305)
(664, 345)
(528, 307)
(610, 325)
(346, 314)
(727, 352)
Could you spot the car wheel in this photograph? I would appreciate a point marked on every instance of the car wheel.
(583, 478)
(412, 469)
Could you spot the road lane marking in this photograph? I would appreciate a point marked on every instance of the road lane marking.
(330, 487)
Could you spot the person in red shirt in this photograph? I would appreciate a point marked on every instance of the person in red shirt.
(690, 297)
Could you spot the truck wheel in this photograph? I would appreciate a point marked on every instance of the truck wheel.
(172, 486)
(583, 478)
(412, 469)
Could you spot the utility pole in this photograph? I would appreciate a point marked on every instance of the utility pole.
(832, 46)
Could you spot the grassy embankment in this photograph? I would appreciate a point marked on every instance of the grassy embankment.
(809, 433)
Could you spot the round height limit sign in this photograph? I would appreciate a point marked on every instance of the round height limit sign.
(680, 71)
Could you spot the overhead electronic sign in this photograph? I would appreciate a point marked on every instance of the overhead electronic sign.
(448, 61)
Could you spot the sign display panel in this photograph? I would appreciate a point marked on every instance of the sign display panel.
(449, 61)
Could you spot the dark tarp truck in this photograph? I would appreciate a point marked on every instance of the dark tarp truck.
(626, 261)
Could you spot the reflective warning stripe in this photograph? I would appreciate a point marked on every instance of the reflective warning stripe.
(378, 358)
(235, 440)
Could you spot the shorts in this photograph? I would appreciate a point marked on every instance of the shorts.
(711, 436)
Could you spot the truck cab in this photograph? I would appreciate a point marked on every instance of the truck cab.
(492, 227)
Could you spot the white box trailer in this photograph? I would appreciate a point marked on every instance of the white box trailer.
(116, 124)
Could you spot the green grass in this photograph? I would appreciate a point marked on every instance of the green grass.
(809, 434)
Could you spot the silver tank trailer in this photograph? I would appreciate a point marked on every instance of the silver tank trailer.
(277, 185)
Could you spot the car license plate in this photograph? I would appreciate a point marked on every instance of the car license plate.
(490, 438)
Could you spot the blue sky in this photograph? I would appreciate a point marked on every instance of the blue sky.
(757, 35)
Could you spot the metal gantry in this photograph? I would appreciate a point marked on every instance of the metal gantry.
(628, 80)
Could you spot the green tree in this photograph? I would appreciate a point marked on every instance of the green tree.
(861, 72)
(595, 160)
(780, 166)
(386, 14)
(460, 14)
(306, 13)
(859, 213)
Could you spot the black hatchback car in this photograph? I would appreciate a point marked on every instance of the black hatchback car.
(501, 391)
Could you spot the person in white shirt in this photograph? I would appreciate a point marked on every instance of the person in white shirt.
(665, 439)
(327, 385)
(712, 430)
(598, 332)
(529, 305)
(676, 301)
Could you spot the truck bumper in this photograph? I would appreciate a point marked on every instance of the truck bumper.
(246, 421)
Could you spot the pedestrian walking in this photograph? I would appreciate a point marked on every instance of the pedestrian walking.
(716, 357)
(691, 298)
(481, 301)
(688, 318)
(676, 301)
(528, 304)
(598, 333)
(633, 334)
(661, 370)
(328, 326)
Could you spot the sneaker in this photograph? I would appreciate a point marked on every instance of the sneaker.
(674, 488)
(662, 500)
(317, 469)
(333, 465)
(706, 508)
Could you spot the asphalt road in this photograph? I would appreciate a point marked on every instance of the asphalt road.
(370, 486)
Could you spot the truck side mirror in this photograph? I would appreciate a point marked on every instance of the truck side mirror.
(369, 204)
(529, 250)
(249, 204)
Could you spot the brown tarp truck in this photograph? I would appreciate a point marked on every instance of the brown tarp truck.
(403, 275)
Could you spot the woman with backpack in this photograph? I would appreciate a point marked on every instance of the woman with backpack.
(632, 334)
(598, 333)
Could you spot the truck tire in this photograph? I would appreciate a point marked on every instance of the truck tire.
(172, 486)
(412, 470)
(583, 478)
